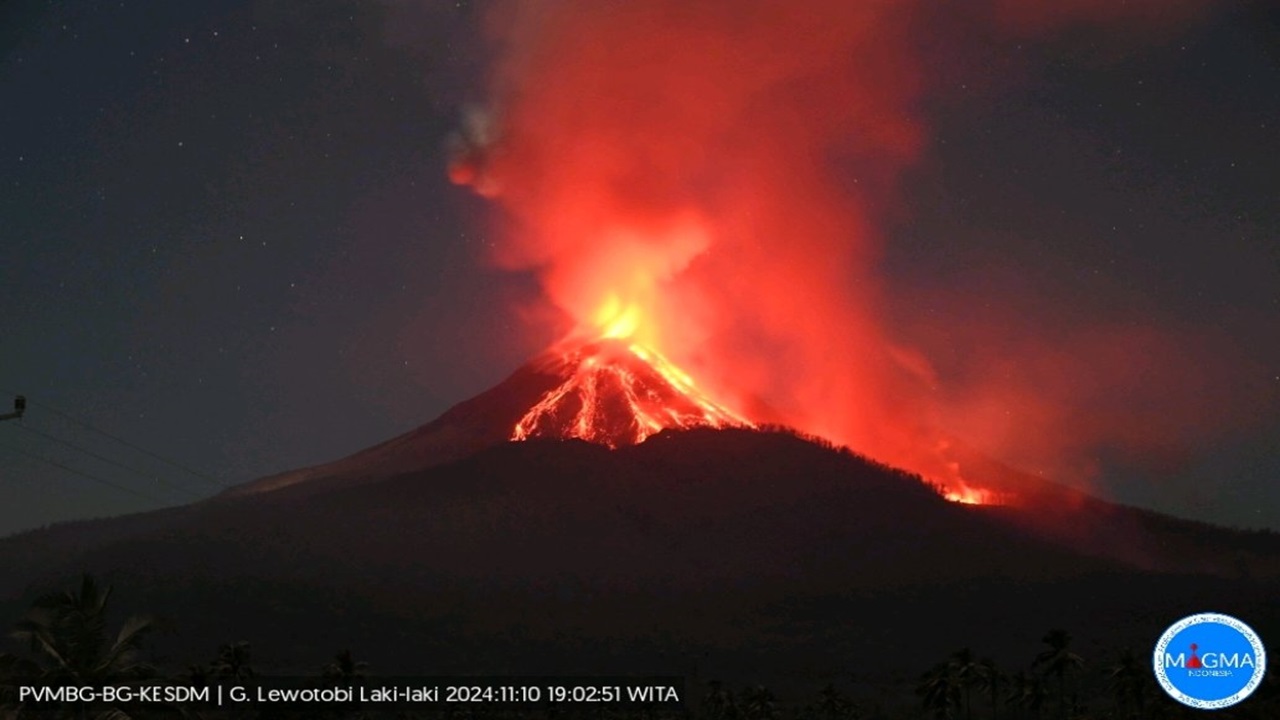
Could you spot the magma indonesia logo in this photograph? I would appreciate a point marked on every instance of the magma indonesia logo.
(1210, 661)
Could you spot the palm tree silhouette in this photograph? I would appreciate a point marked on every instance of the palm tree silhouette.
(344, 669)
(758, 703)
(989, 680)
(834, 705)
(939, 689)
(1027, 693)
(67, 635)
(967, 672)
(1127, 678)
(234, 662)
(719, 703)
(68, 642)
(1058, 661)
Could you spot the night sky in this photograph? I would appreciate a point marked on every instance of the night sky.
(226, 236)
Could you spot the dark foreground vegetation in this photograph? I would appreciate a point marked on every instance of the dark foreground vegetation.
(67, 638)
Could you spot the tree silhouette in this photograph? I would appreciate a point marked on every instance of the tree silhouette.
(967, 672)
(345, 668)
(939, 689)
(990, 680)
(234, 662)
(834, 705)
(1027, 693)
(719, 703)
(68, 642)
(758, 703)
(1058, 661)
(67, 637)
(1127, 679)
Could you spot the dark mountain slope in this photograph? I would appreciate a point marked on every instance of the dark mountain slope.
(472, 425)
(757, 550)
(684, 508)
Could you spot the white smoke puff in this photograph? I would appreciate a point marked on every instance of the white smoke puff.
(471, 148)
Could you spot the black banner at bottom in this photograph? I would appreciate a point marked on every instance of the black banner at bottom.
(366, 693)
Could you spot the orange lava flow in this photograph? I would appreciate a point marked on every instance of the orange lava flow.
(966, 495)
(618, 393)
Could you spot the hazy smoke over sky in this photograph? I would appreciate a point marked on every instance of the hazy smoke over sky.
(730, 168)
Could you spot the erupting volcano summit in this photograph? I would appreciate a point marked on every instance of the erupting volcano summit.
(614, 392)
(605, 384)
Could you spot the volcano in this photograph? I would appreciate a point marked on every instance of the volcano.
(618, 395)
(614, 392)
(638, 527)
(610, 391)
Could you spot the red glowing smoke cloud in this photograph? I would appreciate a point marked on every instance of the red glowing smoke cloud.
(717, 175)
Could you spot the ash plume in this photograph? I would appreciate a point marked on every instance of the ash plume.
(728, 170)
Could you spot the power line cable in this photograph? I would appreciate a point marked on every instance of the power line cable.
(81, 473)
(109, 461)
(24, 481)
(203, 476)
